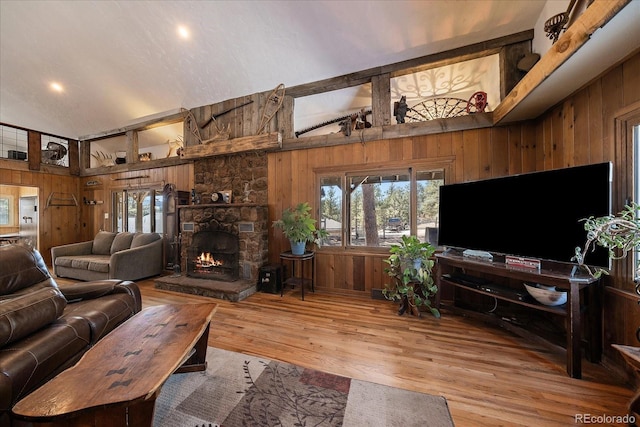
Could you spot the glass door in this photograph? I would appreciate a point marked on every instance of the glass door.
(138, 210)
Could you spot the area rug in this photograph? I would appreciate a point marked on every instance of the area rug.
(241, 390)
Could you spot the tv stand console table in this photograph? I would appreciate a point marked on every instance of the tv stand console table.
(450, 267)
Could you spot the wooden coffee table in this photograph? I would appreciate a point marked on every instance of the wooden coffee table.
(117, 381)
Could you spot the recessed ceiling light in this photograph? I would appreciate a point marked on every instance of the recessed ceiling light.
(183, 32)
(57, 87)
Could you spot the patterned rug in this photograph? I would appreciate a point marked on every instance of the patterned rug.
(241, 390)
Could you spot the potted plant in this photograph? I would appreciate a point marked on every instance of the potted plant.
(410, 265)
(299, 227)
(619, 234)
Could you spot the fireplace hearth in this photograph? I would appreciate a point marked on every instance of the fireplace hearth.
(213, 255)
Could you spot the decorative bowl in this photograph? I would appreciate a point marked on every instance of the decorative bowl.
(546, 295)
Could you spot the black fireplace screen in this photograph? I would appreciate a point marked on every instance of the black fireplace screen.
(213, 255)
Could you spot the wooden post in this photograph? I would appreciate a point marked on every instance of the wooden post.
(34, 149)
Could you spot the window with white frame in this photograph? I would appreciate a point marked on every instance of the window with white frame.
(138, 210)
(5, 210)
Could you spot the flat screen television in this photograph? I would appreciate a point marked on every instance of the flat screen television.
(533, 215)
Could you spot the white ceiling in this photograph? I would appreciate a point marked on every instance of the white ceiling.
(120, 61)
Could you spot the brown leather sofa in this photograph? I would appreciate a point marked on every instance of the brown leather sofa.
(45, 327)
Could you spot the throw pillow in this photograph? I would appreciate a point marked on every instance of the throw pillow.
(142, 239)
(102, 243)
(121, 242)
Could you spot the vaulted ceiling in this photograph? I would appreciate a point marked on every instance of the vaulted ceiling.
(119, 61)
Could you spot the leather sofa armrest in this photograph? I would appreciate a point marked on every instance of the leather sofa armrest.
(27, 313)
(82, 291)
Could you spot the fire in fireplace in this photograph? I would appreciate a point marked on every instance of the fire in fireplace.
(213, 255)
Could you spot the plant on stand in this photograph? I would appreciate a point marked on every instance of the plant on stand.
(411, 265)
(300, 228)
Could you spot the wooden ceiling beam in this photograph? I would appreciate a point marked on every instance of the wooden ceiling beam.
(595, 16)
(422, 63)
(145, 125)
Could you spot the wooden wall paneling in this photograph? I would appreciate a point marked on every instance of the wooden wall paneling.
(340, 271)
(595, 129)
(631, 79)
(421, 147)
(581, 128)
(298, 178)
(444, 144)
(368, 272)
(499, 151)
(379, 275)
(348, 273)
(57, 224)
(400, 149)
(46, 222)
(632, 318)
(457, 142)
(485, 166)
(568, 151)
(325, 273)
(358, 277)
(280, 198)
(623, 168)
(431, 143)
(471, 153)
(623, 321)
(556, 140)
(529, 135)
(379, 152)
(544, 159)
(356, 153)
(612, 101)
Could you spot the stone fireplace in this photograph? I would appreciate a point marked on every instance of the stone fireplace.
(242, 223)
(247, 222)
(213, 255)
(246, 216)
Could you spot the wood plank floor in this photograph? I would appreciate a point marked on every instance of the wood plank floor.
(489, 376)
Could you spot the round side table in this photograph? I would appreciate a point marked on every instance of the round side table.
(300, 279)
